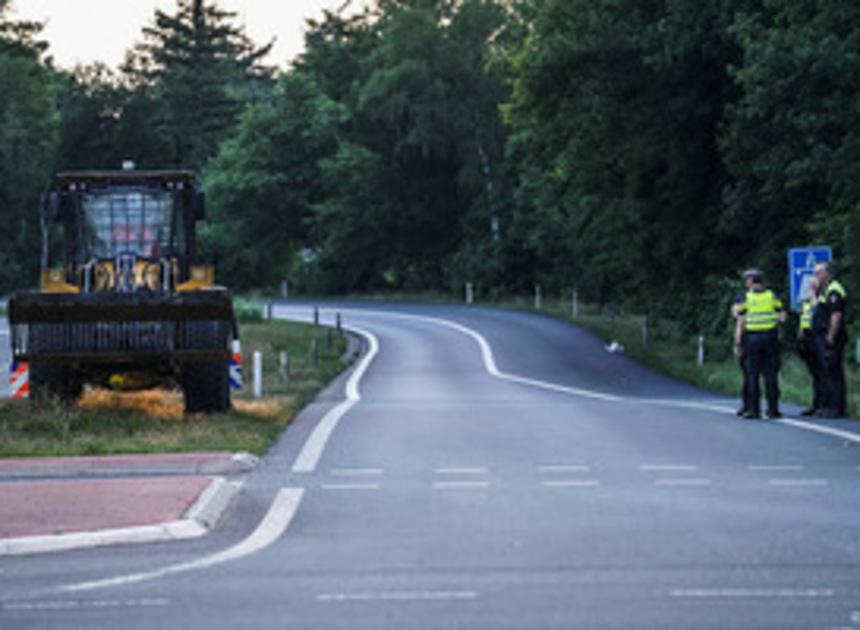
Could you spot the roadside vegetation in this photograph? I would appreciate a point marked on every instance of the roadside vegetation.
(115, 422)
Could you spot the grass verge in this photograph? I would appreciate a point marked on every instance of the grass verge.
(109, 422)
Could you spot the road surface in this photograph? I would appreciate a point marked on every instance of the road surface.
(487, 469)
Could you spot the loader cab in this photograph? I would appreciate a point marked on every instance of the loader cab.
(125, 230)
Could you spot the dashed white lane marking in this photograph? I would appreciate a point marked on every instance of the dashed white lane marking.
(95, 604)
(563, 468)
(461, 471)
(571, 483)
(767, 468)
(668, 468)
(350, 486)
(460, 485)
(307, 460)
(681, 481)
(271, 527)
(800, 483)
(357, 472)
(729, 593)
(399, 596)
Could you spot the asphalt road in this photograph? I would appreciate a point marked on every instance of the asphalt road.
(490, 469)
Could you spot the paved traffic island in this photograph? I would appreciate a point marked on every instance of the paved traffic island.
(151, 498)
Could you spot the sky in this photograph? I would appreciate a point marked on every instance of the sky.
(84, 31)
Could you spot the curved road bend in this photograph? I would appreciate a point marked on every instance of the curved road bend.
(452, 495)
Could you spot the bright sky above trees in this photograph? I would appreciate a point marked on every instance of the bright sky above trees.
(103, 30)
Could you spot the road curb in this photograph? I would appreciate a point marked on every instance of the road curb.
(202, 516)
(72, 467)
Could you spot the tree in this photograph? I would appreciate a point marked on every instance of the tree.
(792, 139)
(28, 141)
(265, 180)
(202, 69)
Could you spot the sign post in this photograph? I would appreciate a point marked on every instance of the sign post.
(801, 264)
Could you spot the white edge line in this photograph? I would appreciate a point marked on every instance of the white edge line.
(490, 366)
(271, 527)
(311, 452)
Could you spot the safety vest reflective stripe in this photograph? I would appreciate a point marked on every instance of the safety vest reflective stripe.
(836, 287)
(761, 311)
(806, 315)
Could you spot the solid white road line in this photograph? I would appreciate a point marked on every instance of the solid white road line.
(731, 593)
(271, 527)
(307, 460)
(493, 370)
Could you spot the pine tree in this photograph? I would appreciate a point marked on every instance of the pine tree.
(202, 68)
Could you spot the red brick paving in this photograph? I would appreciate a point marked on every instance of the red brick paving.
(54, 507)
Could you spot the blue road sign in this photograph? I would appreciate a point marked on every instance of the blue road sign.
(801, 264)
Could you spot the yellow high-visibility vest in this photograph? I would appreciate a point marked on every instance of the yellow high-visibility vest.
(806, 314)
(761, 310)
(835, 287)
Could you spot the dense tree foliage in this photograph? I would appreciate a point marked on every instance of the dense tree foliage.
(28, 145)
(643, 151)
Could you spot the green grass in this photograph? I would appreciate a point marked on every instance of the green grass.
(114, 423)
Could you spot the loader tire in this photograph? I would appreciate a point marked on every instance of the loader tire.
(206, 384)
(53, 381)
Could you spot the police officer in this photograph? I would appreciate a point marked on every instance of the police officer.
(828, 324)
(762, 313)
(739, 344)
(806, 348)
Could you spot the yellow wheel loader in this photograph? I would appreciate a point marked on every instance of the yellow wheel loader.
(125, 302)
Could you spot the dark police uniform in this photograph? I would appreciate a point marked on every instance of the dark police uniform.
(742, 362)
(831, 356)
(807, 351)
(761, 347)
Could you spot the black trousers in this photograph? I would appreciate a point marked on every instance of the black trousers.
(745, 385)
(833, 376)
(761, 350)
(809, 354)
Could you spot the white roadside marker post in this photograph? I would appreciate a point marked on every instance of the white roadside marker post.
(258, 374)
(285, 367)
(700, 355)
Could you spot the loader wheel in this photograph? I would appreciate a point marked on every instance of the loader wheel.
(53, 381)
(206, 384)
